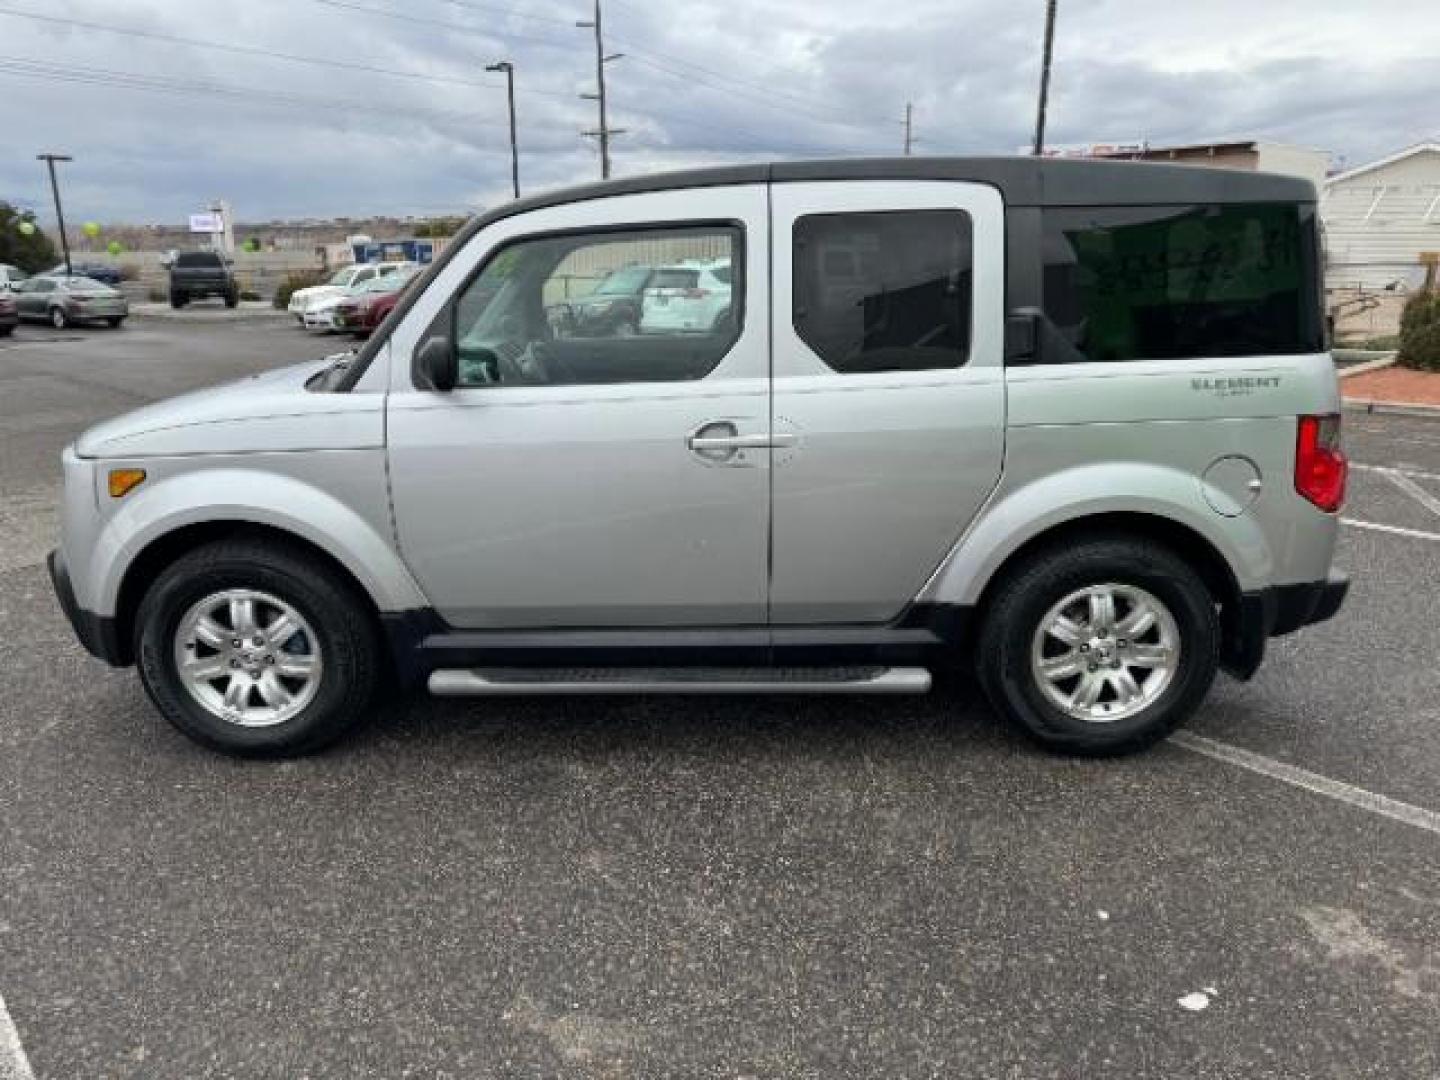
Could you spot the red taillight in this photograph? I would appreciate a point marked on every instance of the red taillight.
(1320, 467)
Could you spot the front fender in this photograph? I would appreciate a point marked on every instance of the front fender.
(1017, 515)
(347, 516)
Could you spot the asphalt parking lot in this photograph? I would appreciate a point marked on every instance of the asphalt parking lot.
(718, 888)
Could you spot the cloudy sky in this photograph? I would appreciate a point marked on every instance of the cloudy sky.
(293, 108)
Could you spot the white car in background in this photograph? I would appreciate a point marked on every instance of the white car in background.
(686, 297)
(322, 299)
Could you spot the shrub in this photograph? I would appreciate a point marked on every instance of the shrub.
(1420, 332)
(249, 294)
(128, 272)
(296, 279)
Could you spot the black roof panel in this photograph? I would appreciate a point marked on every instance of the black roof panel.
(1022, 181)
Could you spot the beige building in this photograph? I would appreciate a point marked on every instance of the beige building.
(1252, 155)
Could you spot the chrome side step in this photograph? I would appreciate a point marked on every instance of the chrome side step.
(517, 682)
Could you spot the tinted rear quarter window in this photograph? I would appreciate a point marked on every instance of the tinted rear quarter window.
(887, 291)
(1166, 282)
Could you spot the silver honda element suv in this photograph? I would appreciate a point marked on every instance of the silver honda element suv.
(1071, 422)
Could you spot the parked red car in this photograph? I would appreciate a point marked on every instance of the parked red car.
(362, 311)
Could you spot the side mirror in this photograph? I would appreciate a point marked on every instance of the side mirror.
(437, 364)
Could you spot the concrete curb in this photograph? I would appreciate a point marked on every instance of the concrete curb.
(1392, 408)
(1369, 365)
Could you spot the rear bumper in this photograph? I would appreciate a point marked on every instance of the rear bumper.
(1272, 612)
(97, 633)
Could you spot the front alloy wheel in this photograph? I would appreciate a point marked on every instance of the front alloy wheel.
(247, 657)
(58, 318)
(257, 647)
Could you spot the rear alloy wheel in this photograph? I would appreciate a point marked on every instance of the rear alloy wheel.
(58, 318)
(1100, 647)
(257, 648)
(115, 321)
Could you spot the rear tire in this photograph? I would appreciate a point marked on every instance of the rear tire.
(114, 323)
(178, 300)
(232, 299)
(338, 640)
(6, 331)
(1022, 665)
(58, 319)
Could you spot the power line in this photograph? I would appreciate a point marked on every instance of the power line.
(445, 24)
(245, 50)
(25, 68)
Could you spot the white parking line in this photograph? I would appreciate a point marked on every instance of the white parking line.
(1414, 534)
(1414, 474)
(1382, 805)
(1414, 490)
(14, 1065)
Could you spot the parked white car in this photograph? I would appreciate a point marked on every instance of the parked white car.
(10, 277)
(339, 286)
(690, 296)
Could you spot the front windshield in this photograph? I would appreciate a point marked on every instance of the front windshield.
(342, 277)
(624, 282)
(83, 284)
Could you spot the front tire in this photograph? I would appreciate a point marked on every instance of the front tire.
(232, 299)
(1100, 647)
(307, 662)
(178, 300)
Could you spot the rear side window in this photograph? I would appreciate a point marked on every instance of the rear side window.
(886, 291)
(675, 279)
(1163, 282)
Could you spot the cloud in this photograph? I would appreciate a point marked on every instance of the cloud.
(160, 127)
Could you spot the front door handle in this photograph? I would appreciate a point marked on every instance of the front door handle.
(732, 442)
(720, 442)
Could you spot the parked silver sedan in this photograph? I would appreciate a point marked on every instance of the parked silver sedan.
(64, 300)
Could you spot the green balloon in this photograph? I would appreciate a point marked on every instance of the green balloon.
(91, 229)
(114, 247)
(27, 228)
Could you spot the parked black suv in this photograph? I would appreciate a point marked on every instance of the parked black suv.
(195, 274)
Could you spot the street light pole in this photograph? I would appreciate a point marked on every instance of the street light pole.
(1045, 77)
(509, 69)
(50, 160)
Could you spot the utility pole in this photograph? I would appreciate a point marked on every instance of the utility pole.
(50, 160)
(604, 131)
(909, 130)
(509, 69)
(1045, 77)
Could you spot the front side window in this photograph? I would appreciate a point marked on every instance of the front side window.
(886, 291)
(575, 309)
(1161, 282)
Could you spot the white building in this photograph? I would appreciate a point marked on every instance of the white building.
(1380, 218)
